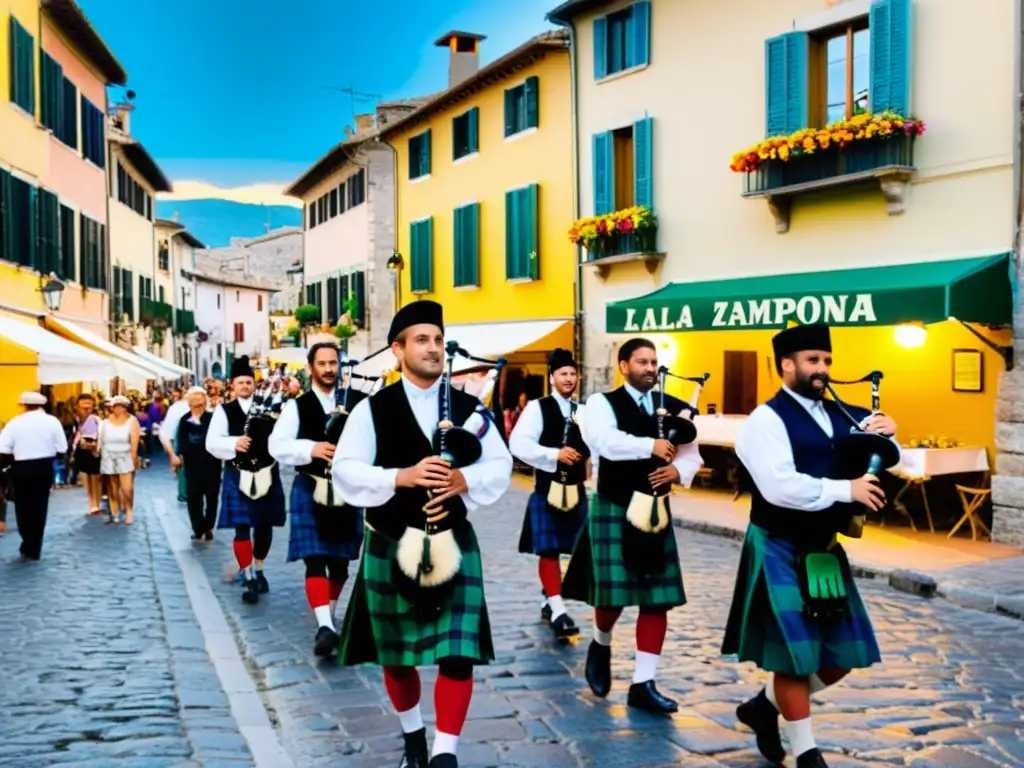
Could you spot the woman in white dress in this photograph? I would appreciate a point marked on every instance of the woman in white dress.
(119, 458)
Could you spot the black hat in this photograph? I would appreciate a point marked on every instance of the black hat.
(417, 313)
(560, 358)
(240, 367)
(800, 338)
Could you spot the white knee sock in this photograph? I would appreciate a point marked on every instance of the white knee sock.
(557, 606)
(444, 744)
(324, 617)
(602, 638)
(411, 720)
(646, 666)
(800, 736)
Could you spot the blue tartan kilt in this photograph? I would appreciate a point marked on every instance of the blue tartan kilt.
(548, 531)
(236, 509)
(304, 538)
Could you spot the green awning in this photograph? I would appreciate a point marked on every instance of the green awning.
(975, 290)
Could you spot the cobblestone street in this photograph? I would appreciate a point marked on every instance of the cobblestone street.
(103, 659)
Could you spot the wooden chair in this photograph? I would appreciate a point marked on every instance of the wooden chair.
(972, 500)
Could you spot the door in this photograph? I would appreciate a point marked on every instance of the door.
(740, 383)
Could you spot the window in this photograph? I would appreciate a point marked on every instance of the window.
(22, 65)
(312, 215)
(623, 162)
(332, 300)
(18, 203)
(163, 256)
(522, 261)
(359, 295)
(419, 155)
(239, 332)
(92, 251)
(259, 302)
(132, 193)
(93, 136)
(356, 187)
(51, 91)
(66, 264)
(47, 232)
(421, 256)
(467, 246)
(238, 297)
(466, 133)
(123, 301)
(521, 108)
(622, 40)
(218, 301)
(160, 294)
(334, 203)
(836, 73)
(145, 287)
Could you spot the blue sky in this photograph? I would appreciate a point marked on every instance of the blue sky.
(232, 92)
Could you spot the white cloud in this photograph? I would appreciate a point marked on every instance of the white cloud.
(265, 194)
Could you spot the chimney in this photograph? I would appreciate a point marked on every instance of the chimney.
(122, 117)
(364, 124)
(463, 56)
(349, 133)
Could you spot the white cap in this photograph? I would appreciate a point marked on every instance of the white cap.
(32, 398)
(119, 400)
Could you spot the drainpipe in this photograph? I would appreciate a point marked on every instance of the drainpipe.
(397, 218)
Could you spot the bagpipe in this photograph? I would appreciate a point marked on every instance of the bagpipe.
(256, 465)
(564, 492)
(429, 556)
(648, 515)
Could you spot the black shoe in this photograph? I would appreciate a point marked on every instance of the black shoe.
(545, 613)
(645, 696)
(564, 628)
(208, 536)
(444, 761)
(811, 759)
(251, 595)
(327, 642)
(261, 583)
(760, 716)
(416, 755)
(599, 668)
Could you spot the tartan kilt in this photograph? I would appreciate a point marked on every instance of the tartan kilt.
(304, 538)
(236, 509)
(767, 624)
(597, 576)
(381, 626)
(549, 531)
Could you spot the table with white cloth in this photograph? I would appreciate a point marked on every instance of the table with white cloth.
(720, 431)
(919, 465)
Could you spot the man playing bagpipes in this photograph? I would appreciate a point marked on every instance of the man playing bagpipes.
(547, 437)
(326, 533)
(626, 554)
(418, 456)
(796, 612)
(252, 498)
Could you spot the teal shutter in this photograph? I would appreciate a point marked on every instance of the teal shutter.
(786, 74)
(428, 248)
(600, 48)
(510, 112)
(47, 255)
(421, 239)
(511, 234)
(473, 236)
(643, 162)
(641, 34)
(33, 225)
(604, 173)
(473, 120)
(532, 102)
(531, 241)
(425, 153)
(467, 246)
(891, 37)
(6, 217)
(458, 247)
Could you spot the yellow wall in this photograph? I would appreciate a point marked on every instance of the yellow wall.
(23, 146)
(543, 157)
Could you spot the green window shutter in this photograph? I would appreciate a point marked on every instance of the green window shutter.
(641, 34)
(414, 161)
(459, 247)
(643, 162)
(604, 173)
(467, 245)
(22, 65)
(6, 217)
(425, 150)
(786, 74)
(12, 58)
(531, 240)
(67, 243)
(532, 102)
(473, 235)
(891, 38)
(421, 239)
(510, 111)
(474, 129)
(511, 235)
(33, 224)
(600, 48)
(428, 248)
(47, 256)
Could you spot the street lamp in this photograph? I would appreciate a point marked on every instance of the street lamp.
(53, 292)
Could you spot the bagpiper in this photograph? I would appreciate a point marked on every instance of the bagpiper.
(547, 437)
(406, 457)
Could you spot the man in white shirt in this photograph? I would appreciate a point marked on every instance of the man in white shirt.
(547, 437)
(32, 440)
(325, 532)
(635, 462)
(177, 411)
(782, 619)
(413, 604)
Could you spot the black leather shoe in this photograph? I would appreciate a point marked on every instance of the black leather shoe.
(251, 595)
(760, 716)
(327, 642)
(645, 696)
(545, 613)
(811, 759)
(564, 628)
(261, 583)
(444, 761)
(416, 755)
(599, 668)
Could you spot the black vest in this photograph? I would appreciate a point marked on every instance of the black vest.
(259, 432)
(400, 444)
(551, 436)
(617, 480)
(313, 425)
(191, 438)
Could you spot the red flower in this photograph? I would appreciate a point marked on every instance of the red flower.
(602, 228)
(625, 226)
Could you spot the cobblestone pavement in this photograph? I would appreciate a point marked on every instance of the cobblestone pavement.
(101, 661)
(950, 693)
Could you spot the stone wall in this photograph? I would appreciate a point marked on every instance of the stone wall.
(598, 360)
(1008, 479)
(380, 287)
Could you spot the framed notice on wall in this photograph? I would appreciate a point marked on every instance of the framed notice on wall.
(968, 370)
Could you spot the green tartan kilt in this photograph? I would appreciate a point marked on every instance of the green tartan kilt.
(596, 574)
(767, 623)
(381, 626)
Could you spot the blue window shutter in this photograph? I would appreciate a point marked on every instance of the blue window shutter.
(532, 102)
(600, 48)
(510, 111)
(531, 249)
(425, 149)
(604, 173)
(474, 129)
(643, 162)
(891, 37)
(786, 98)
(641, 34)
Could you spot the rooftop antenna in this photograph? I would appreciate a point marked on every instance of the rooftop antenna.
(356, 97)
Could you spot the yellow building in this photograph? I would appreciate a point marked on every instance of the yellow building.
(485, 186)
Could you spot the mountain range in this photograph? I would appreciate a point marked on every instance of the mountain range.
(215, 222)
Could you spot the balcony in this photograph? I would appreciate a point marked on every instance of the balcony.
(156, 314)
(605, 252)
(184, 322)
(889, 164)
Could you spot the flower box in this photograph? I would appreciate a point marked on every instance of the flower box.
(620, 236)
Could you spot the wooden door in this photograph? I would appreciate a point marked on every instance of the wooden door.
(740, 383)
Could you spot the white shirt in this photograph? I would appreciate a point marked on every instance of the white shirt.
(219, 443)
(364, 485)
(610, 442)
(524, 442)
(764, 448)
(284, 445)
(169, 426)
(33, 435)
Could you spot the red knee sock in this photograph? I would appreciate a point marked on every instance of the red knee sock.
(605, 618)
(451, 703)
(403, 687)
(550, 572)
(243, 553)
(336, 587)
(318, 591)
(650, 631)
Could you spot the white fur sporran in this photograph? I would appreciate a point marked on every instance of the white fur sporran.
(256, 485)
(638, 513)
(564, 497)
(325, 494)
(445, 556)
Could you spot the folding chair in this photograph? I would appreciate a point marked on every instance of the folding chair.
(972, 500)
